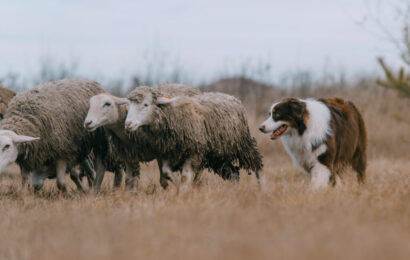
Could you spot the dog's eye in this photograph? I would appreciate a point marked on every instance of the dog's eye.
(145, 105)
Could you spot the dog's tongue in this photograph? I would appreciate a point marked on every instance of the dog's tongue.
(275, 135)
(278, 132)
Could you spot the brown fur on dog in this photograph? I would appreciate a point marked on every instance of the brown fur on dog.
(348, 142)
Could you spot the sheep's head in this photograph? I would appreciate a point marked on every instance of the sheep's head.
(103, 111)
(8, 146)
(142, 103)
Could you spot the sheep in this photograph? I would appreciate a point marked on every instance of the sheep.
(193, 133)
(44, 125)
(6, 95)
(109, 112)
(48, 171)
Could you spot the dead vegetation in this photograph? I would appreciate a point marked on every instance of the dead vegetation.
(281, 219)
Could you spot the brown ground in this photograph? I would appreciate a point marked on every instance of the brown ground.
(281, 219)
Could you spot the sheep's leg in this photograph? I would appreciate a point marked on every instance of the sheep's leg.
(40, 175)
(186, 174)
(38, 181)
(61, 168)
(257, 175)
(163, 179)
(88, 168)
(75, 177)
(167, 171)
(119, 173)
(90, 182)
(100, 171)
(230, 172)
(25, 180)
(197, 177)
(133, 175)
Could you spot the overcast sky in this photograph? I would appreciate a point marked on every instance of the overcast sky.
(110, 37)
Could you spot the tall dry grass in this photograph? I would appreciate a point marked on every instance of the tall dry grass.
(280, 219)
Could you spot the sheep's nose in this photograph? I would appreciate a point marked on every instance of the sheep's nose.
(127, 125)
(262, 128)
(88, 123)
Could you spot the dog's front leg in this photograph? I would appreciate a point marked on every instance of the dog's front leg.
(320, 176)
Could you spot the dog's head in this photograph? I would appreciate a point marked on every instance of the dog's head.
(284, 116)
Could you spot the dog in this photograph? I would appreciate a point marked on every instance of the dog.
(321, 136)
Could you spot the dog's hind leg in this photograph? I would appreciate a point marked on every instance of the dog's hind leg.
(359, 159)
(118, 176)
(359, 165)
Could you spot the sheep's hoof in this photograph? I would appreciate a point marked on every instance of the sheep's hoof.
(83, 190)
(66, 194)
(164, 183)
(132, 190)
(131, 186)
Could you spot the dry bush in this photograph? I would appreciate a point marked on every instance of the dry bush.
(280, 219)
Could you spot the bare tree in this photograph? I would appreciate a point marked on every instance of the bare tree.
(399, 81)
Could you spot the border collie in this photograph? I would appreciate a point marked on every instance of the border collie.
(321, 136)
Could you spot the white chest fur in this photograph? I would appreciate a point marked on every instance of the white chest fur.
(301, 151)
(317, 129)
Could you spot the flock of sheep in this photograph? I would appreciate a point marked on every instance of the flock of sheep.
(74, 126)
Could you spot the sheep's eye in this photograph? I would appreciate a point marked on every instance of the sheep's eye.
(107, 104)
(1, 116)
(145, 105)
(7, 146)
(270, 113)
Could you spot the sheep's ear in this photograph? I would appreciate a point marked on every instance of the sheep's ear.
(23, 138)
(165, 100)
(121, 101)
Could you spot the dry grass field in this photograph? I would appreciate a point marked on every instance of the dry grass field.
(280, 219)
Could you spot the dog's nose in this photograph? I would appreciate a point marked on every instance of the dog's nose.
(88, 123)
(262, 128)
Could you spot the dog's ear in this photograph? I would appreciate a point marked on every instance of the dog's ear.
(299, 113)
(301, 126)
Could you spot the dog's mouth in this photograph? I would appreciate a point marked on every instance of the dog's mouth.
(278, 131)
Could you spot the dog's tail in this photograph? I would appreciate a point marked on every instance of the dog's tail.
(359, 157)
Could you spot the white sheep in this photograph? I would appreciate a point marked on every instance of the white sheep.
(44, 125)
(110, 112)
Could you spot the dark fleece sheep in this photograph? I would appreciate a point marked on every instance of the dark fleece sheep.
(54, 112)
(209, 130)
(112, 161)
